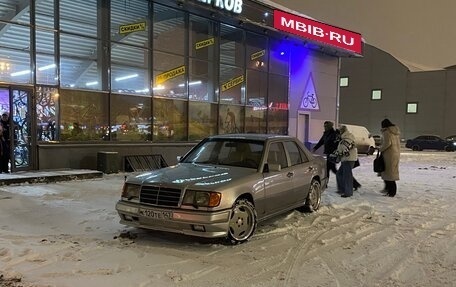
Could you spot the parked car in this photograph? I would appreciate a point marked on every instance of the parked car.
(365, 143)
(377, 140)
(430, 142)
(225, 185)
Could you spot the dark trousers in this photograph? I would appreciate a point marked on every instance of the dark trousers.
(390, 187)
(330, 166)
(344, 178)
(4, 159)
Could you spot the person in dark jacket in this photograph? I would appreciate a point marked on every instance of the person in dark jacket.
(5, 126)
(330, 140)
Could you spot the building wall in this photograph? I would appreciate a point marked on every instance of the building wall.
(434, 91)
(323, 71)
(377, 70)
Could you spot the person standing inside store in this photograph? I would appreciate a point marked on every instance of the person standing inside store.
(329, 140)
(391, 149)
(348, 154)
(6, 143)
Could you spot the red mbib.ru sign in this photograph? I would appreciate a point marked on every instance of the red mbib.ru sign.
(318, 31)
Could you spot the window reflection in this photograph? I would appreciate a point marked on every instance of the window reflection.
(130, 118)
(203, 120)
(169, 120)
(231, 119)
(46, 113)
(84, 116)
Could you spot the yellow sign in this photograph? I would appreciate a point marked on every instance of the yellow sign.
(232, 83)
(160, 79)
(204, 43)
(257, 55)
(125, 29)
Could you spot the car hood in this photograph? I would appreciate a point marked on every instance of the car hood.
(190, 174)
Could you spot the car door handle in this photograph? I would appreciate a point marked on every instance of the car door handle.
(290, 174)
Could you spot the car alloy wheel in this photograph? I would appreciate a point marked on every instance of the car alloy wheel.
(416, 148)
(314, 197)
(243, 221)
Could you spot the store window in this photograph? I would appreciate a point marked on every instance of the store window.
(78, 63)
(231, 119)
(46, 67)
(169, 30)
(257, 52)
(203, 67)
(203, 120)
(255, 118)
(232, 51)
(343, 82)
(79, 17)
(45, 16)
(232, 65)
(376, 95)
(47, 102)
(84, 116)
(130, 118)
(231, 85)
(412, 108)
(130, 22)
(278, 104)
(201, 85)
(129, 69)
(279, 62)
(15, 55)
(169, 120)
(169, 76)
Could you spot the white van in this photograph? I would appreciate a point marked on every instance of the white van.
(363, 138)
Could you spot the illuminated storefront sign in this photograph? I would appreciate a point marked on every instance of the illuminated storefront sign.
(160, 79)
(314, 30)
(234, 6)
(125, 29)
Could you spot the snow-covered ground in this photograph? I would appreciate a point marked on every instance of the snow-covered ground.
(67, 234)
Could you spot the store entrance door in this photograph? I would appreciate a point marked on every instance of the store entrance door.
(16, 102)
(303, 128)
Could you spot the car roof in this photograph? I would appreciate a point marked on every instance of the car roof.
(248, 136)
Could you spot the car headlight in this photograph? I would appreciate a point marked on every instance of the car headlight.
(202, 198)
(454, 143)
(131, 191)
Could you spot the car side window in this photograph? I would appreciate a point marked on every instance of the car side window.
(276, 155)
(295, 153)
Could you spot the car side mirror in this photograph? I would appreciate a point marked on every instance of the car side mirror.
(179, 157)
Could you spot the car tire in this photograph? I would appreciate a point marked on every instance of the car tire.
(449, 148)
(313, 199)
(242, 222)
(416, 148)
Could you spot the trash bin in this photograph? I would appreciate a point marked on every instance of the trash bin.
(108, 161)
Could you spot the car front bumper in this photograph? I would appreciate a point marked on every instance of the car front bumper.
(189, 222)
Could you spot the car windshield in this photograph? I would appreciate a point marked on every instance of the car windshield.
(230, 152)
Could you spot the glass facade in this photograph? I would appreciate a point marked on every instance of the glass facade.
(140, 71)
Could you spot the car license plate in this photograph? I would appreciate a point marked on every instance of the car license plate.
(165, 215)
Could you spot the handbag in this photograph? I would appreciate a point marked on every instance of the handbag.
(356, 163)
(379, 162)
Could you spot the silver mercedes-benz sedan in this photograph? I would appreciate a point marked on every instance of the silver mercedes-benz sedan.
(224, 186)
